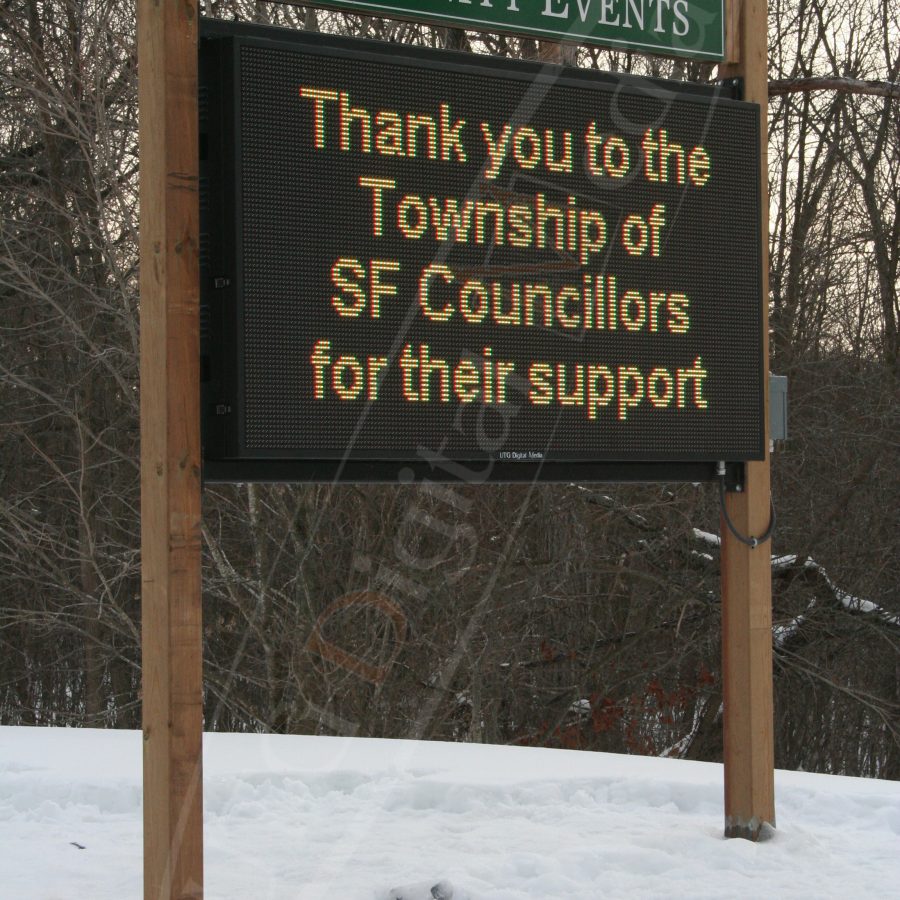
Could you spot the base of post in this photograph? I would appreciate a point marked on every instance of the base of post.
(752, 830)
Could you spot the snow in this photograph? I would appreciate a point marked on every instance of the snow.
(783, 632)
(304, 817)
(712, 539)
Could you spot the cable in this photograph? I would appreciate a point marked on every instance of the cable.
(751, 542)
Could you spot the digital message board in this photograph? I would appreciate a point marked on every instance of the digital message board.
(410, 255)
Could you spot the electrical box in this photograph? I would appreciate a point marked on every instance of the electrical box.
(778, 407)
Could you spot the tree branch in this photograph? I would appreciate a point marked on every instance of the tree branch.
(782, 86)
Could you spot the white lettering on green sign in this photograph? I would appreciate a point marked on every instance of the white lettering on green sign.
(688, 28)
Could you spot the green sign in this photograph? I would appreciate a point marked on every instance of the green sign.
(691, 28)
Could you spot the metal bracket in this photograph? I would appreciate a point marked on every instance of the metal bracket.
(734, 86)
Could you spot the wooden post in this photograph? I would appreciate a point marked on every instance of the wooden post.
(747, 572)
(170, 451)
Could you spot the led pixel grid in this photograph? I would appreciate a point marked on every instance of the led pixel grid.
(471, 259)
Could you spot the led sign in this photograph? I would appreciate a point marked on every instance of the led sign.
(410, 254)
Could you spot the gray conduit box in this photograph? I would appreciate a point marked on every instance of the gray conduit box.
(778, 407)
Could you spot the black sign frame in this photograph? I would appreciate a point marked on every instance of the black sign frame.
(221, 361)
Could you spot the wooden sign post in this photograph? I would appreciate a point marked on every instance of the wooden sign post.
(170, 451)
(171, 477)
(746, 571)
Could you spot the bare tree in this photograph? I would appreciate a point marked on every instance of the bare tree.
(565, 615)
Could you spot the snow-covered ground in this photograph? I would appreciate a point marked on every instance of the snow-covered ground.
(299, 817)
